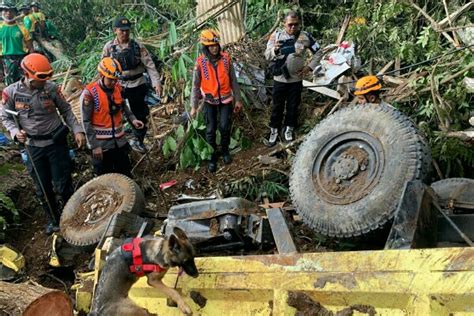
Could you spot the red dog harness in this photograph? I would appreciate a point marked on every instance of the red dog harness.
(137, 267)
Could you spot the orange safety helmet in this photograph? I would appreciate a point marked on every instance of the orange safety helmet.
(209, 37)
(37, 67)
(110, 68)
(366, 84)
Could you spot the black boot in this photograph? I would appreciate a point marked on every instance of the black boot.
(226, 157)
(51, 228)
(212, 164)
(52, 225)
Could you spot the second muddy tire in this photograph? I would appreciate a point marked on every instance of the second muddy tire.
(80, 233)
(349, 173)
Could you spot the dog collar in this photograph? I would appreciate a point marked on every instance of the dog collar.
(137, 267)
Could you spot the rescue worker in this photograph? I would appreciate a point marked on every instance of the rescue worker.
(283, 46)
(29, 20)
(102, 109)
(39, 17)
(367, 90)
(215, 81)
(135, 61)
(16, 43)
(41, 111)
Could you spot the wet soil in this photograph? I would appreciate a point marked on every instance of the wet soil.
(306, 306)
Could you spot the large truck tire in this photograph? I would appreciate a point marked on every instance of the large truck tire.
(349, 173)
(455, 194)
(87, 213)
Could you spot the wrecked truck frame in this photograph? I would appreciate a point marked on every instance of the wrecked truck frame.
(399, 280)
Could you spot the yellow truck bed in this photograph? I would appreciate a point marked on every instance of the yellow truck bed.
(386, 282)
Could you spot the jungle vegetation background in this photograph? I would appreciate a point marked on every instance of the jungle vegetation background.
(383, 30)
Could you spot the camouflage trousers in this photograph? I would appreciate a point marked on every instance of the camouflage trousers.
(11, 68)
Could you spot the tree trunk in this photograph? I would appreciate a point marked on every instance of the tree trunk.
(30, 299)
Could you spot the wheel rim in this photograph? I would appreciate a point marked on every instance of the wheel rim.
(96, 206)
(347, 168)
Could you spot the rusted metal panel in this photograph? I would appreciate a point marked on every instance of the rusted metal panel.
(230, 22)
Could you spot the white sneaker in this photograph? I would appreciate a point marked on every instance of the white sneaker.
(137, 146)
(288, 134)
(273, 136)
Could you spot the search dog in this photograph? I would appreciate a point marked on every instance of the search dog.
(123, 269)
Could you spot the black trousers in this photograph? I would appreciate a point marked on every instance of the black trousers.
(136, 97)
(222, 114)
(114, 160)
(54, 167)
(286, 96)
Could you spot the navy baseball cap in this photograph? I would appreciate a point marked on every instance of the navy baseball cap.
(122, 23)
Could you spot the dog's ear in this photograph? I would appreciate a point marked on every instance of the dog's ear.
(179, 233)
(173, 243)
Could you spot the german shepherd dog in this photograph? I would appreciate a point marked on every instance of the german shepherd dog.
(116, 279)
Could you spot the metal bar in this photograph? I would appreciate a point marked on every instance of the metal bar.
(280, 231)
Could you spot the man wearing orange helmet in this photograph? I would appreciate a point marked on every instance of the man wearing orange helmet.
(41, 110)
(102, 109)
(15, 41)
(367, 90)
(135, 61)
(214, 80)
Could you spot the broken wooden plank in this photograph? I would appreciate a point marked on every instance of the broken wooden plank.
(385, 68)
(343, 29)
(394, 80)
(467, 135)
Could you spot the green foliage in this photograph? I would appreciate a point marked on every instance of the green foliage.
(195, 148)
(454, 156)
(8, 213)
(274, 186)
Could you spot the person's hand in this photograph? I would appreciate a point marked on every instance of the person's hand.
(80, 139)
(158, 90)
(238, 106)
(276, 48)
(304, 71)
(21, 136)
(138, 124)
(97, 153)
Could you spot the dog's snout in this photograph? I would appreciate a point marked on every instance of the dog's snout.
(190, 268)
